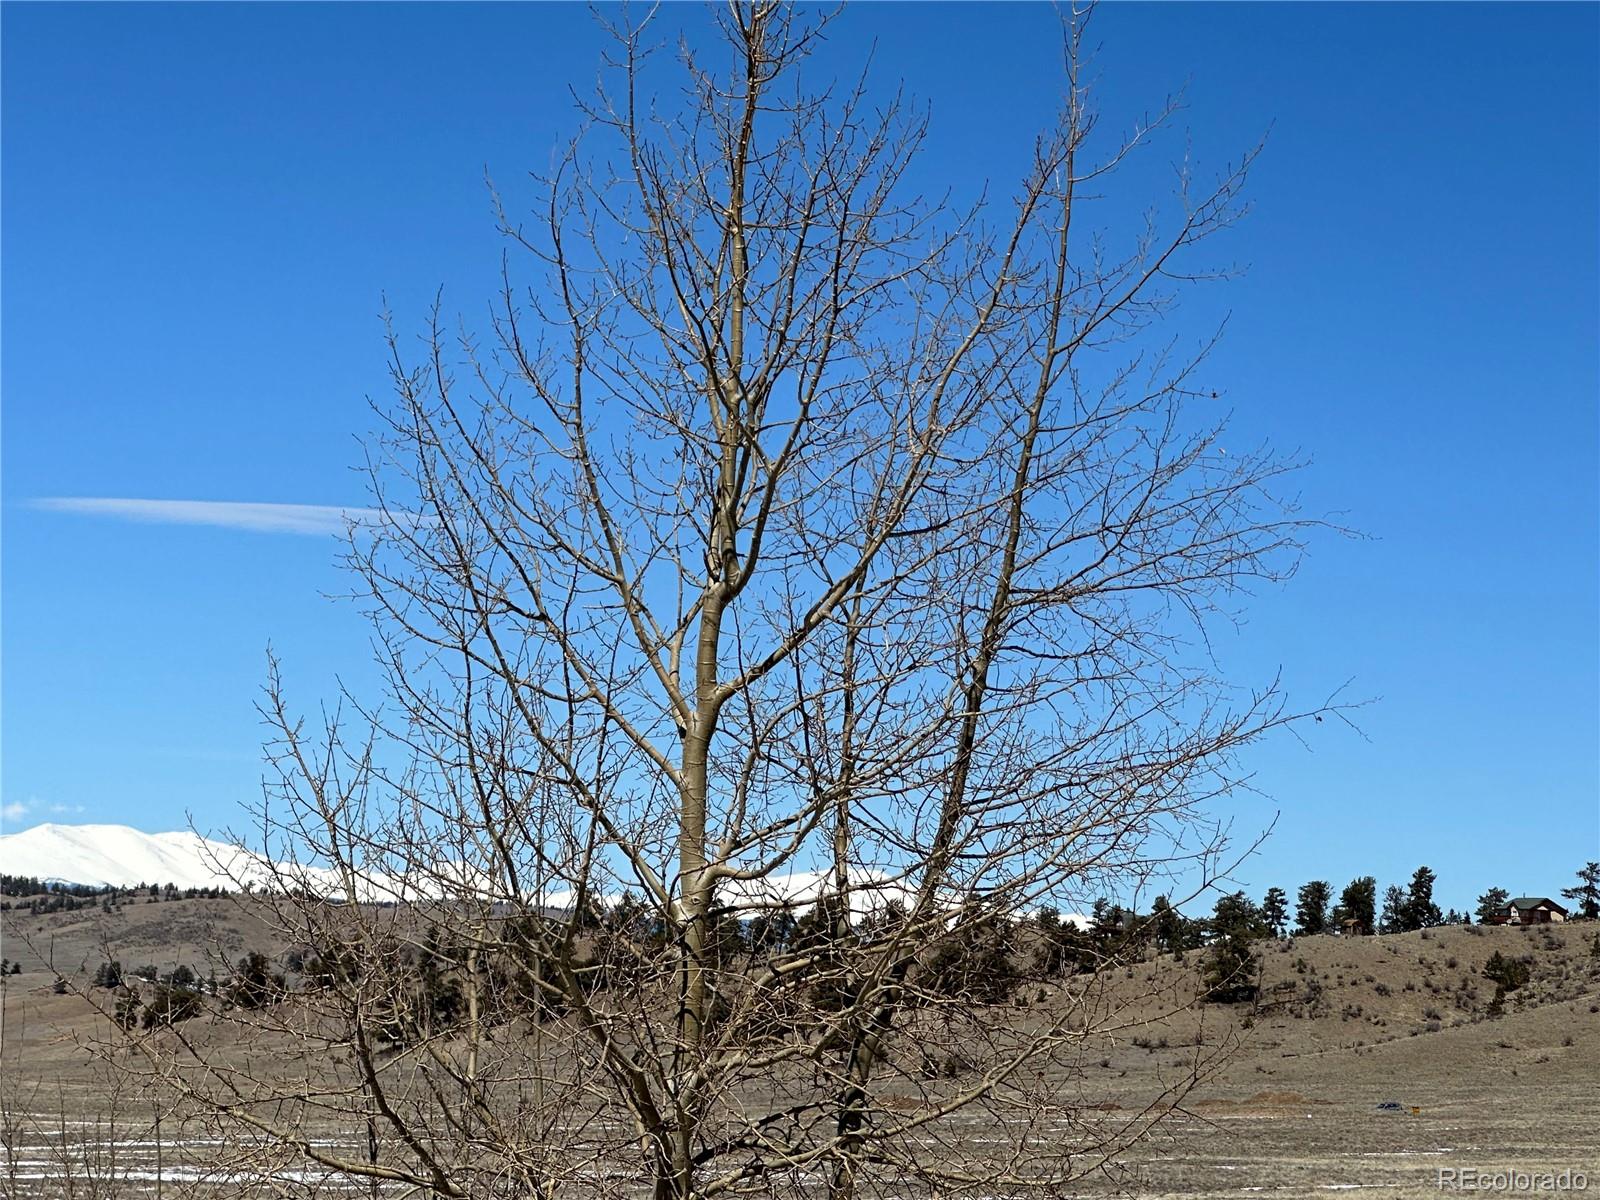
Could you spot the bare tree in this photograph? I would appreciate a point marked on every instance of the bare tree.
(800, 583)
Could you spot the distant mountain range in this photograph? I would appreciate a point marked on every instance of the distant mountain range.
(115, 855)
(121, 856)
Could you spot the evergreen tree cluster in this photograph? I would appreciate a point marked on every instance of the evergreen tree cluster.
(179, 994)
(1412, 907)
(30, 885)
(1357, 911)
(981, 959)
(44, 897)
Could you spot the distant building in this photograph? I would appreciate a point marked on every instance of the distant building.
(1528, 910)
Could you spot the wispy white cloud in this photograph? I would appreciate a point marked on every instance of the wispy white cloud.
(13, 811)
(223, 514)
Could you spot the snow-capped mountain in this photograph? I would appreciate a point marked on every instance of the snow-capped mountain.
(116, 855)
(121, 856)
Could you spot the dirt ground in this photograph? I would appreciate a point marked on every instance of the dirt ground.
(1369, 1064)
(1503, 1095)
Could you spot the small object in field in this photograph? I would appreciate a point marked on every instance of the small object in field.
(1389, 1106)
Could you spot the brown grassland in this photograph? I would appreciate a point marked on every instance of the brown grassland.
(1289, 1102)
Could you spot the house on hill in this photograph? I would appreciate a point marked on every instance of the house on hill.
(1529, 910)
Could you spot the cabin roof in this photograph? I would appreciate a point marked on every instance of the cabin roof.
(1523, 903)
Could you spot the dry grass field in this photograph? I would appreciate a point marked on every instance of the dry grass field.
(1343, 1025)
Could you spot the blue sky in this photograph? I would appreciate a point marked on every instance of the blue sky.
(206, 207)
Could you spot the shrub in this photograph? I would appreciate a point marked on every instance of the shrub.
(1507, 974)
(254, 983)
(127, 1010)
(169, 1005)
(973, 963)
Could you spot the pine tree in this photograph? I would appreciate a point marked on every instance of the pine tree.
(1275, 910)
(771, 932)
(1360, 902)
(1311, 909)
(826, 931)
(254, 983)
(1231, 969)
(1063, 947)
(1166, 926)
(1587, 894)
(1492, 904)
(170, 1004)
(825, 924)
(1393, 919)
(725, 936)
(973, 962)
(127, 1010)
(1507, 975)
(1420, 911)
(1109, 924)
(1047, 953)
